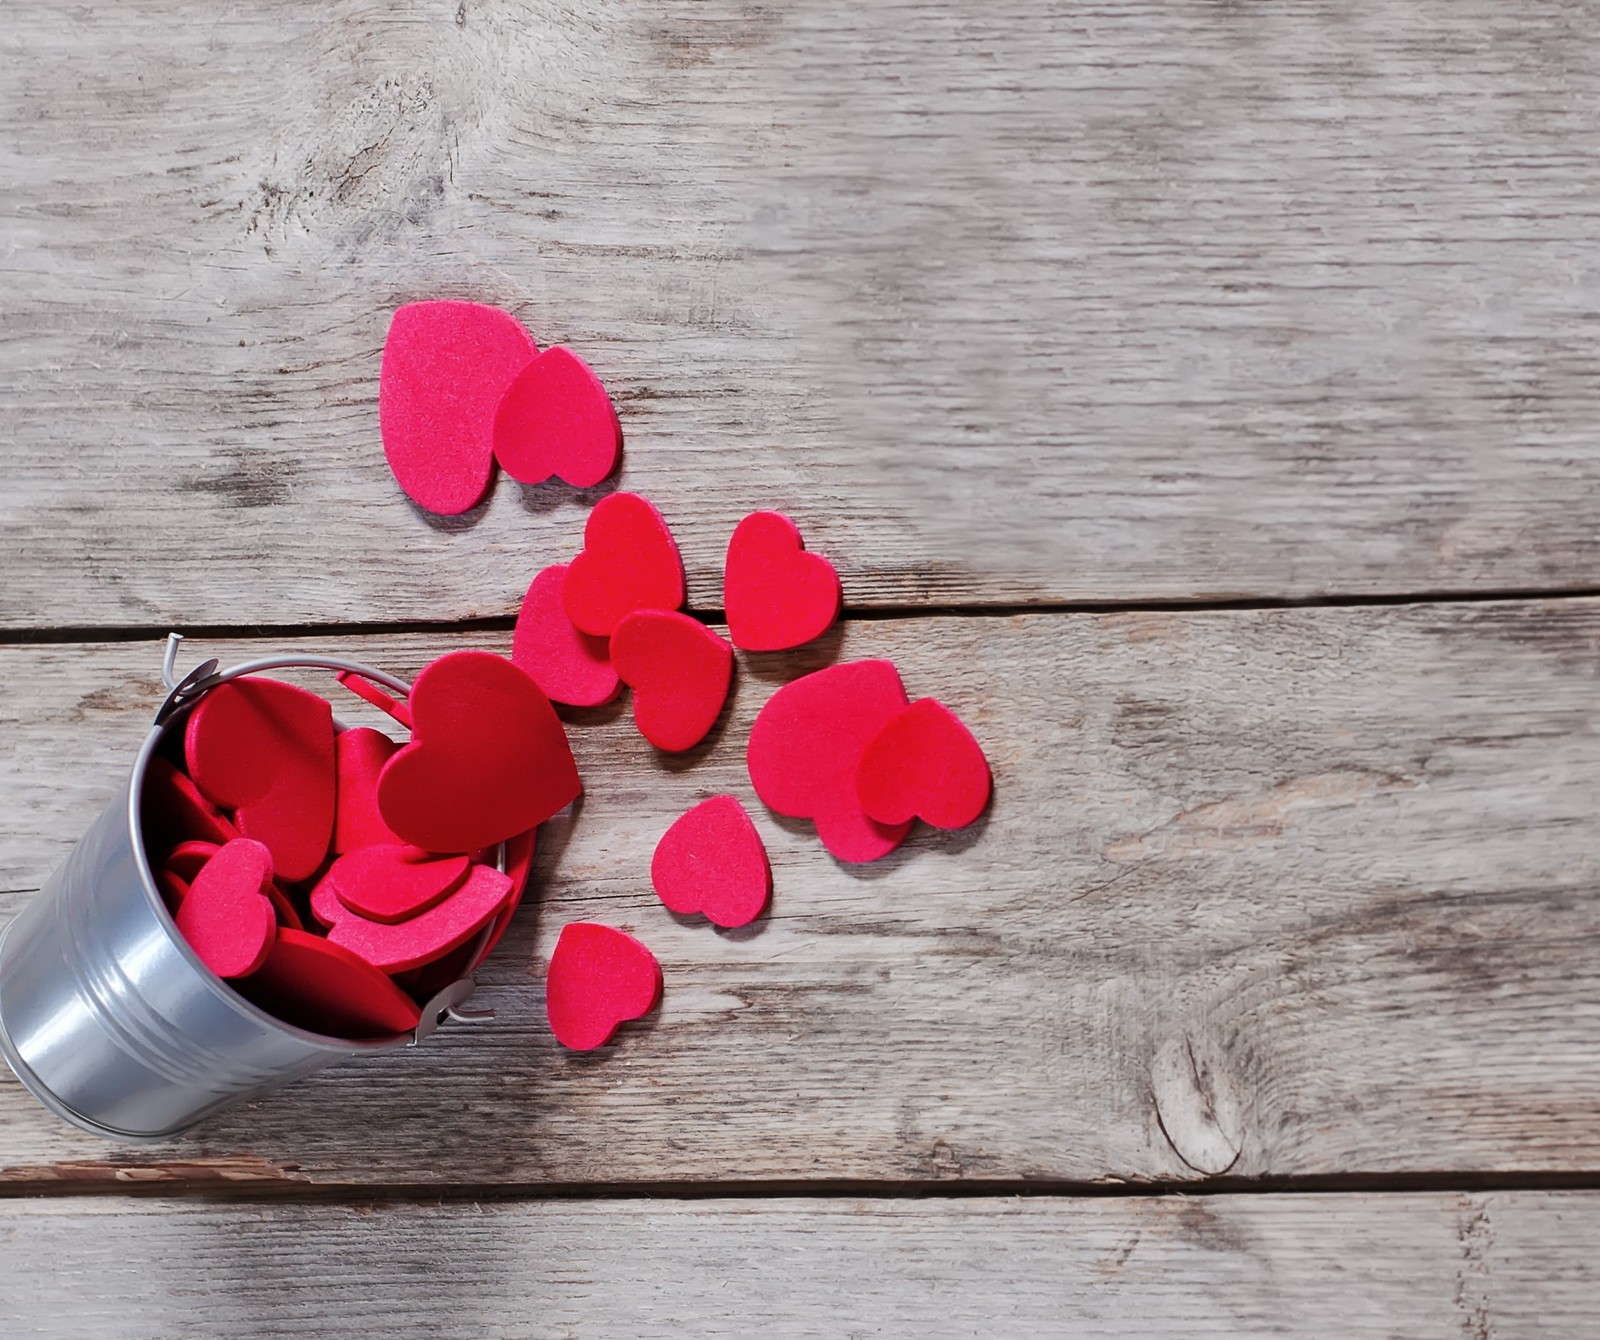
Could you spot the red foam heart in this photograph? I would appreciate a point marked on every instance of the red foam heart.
(359, 756)
(226, 917)
(629, 562)
(806, 746)
(775, 594)
(679, 671)
(924, 763)
(187, 859)
(392, 883)
(324, 988)
(598, 978)
(428, 935)
(446, 366)
(488, 758)
(173, 810)
(556, 419)
(712, 860)
(571, 667)
(264, 749)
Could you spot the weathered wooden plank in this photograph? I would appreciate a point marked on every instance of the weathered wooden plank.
(1005, 301)
(1418, 1266)
(1274, 892)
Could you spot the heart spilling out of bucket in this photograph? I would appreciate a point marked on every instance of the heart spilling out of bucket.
(341, 878)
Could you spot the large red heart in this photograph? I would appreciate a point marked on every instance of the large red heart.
(446, 366)
(264, 749)
(629, 562)
(359, 756)
(775, 594)
(428, 935)
(570, 666)
(226, 916)
(711, 860)
(924, 763)
(172, 811)
(556, 419)
(806, 745)
(324, 988)
(598, 978)
(679, 671)
(488, 758)
(394, 883)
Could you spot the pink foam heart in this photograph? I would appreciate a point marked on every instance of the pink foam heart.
(488, 757)
(599, 978)
(806, 746)
(428, 935)
(679, 671)
(188, 859)
(446, 367)
(325, 988)
(556, 419)
(264, 750)
(924, 763)
(776, 595)
(173, 811)
(712, 860)
(629, 562)
(393, 883)
(359, 756)
(570, 666)
(226, 916)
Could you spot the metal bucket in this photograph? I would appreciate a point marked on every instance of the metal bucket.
(109, 1017)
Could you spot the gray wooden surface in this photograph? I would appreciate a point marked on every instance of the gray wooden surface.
(1008, 302)
(1178, 308)
(1423, 1267)
(1257, 889)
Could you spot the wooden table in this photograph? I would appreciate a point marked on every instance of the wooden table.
(1202, 398)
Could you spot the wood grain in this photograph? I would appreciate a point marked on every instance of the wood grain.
(1005, 302)
(1426, 1267)
(1263, 893)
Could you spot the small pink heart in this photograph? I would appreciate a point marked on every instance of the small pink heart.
(776, 595)
(556, 419)
(629, 562)
(598, 978)
(570, 666)
(711, 860)
(924, 763)
(226, 916)
(394, 883)
(679, 671)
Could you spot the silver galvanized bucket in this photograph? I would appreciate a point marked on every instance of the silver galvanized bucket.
(109, 1017)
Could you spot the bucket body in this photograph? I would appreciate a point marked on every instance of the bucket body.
(109, 1017)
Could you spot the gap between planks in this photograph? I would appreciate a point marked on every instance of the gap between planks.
(504, 623)
(220, 1181)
